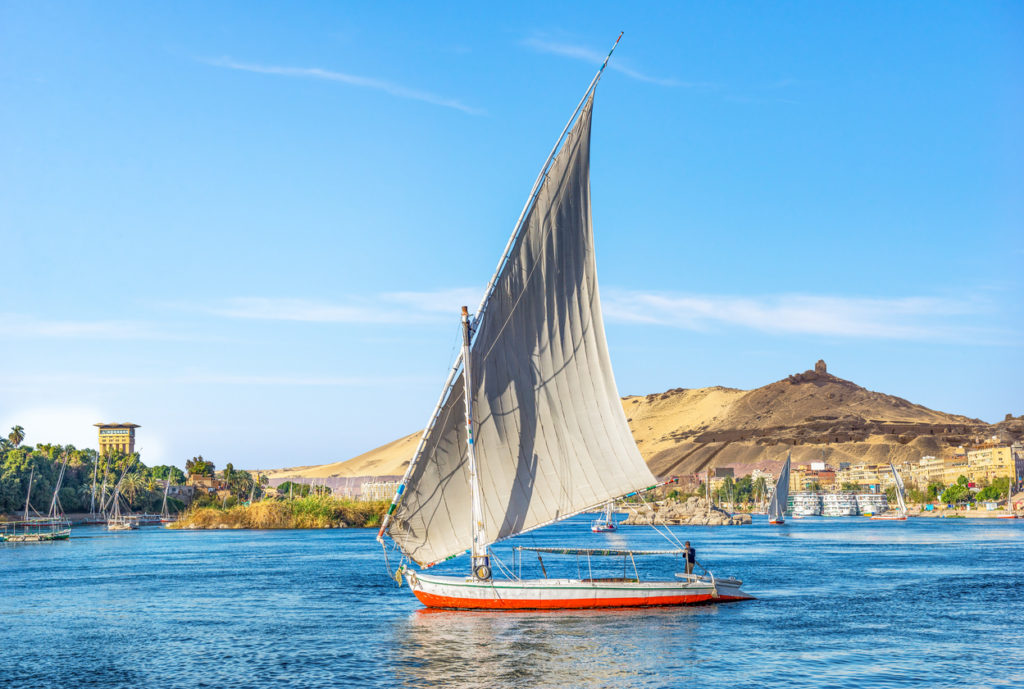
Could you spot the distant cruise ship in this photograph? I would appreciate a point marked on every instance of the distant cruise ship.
(839, 505)
(805, 504)
(871, 503)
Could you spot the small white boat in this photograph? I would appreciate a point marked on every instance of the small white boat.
(529, 429)
(606, 522)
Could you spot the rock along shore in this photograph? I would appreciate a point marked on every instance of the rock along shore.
(695, 511)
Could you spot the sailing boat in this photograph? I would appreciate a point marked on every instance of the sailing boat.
(780, 495)
(116, 520)
(901, 512)
(165, 513)
(606, 522)
(529, 429)
(53, 527)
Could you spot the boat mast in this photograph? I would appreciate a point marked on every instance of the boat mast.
(167, 487)
(453, 372)
(28, 495)
(481, 567)
(92, 494)
(55, 501)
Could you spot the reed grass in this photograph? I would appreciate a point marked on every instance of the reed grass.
(312, 512)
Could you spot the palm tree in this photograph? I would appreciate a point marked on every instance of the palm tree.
(132, 485)
(760, 488)
(16, 435)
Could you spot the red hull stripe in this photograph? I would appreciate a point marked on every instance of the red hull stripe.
(434, 601)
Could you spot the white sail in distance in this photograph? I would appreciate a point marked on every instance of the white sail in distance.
(780, 496)
(550, 436)
(899, 489)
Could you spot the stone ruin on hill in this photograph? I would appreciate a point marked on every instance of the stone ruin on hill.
(820, 367)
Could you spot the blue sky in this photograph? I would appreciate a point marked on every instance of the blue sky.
(249, 227)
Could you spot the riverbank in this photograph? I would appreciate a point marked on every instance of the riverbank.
(301, 513)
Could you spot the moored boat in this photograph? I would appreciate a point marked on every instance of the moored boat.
(870, 504)
(838, 505)
(806, 504)
(529, 429)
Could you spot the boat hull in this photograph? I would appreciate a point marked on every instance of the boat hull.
(464, 593)
(61, 535)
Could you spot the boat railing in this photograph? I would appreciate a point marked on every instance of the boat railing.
(628, 558)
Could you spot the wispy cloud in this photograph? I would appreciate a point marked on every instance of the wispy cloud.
(901, 318)
(388, 87)
(596, 57)
(389, 307)
(21, 326)
(22, 381)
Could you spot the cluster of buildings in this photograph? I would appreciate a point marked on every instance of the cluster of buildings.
(981, 465)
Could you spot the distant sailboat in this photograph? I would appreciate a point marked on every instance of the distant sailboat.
(53, 527)
(780, 496)
(165, 512)
(529, 429)
(606, 522)
(901, 512)
(116, 519)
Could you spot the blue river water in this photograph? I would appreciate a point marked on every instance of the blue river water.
(840, 603)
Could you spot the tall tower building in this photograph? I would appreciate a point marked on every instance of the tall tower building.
(117, 437)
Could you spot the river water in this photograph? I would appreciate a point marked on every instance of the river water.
(840, 603)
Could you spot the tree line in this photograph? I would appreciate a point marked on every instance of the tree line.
(142, 486)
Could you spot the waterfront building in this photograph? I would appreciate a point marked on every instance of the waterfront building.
(932, 469)
(378, 490)
(208, 484)
(986, 464)
(769, 477)
(866, 475)
(802, 477)
(117, 437)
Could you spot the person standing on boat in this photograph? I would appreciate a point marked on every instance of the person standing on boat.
(691, 557)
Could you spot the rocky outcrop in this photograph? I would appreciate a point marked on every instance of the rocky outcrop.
(695, 512)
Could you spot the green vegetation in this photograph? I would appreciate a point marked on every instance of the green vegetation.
(301, 490)
(197, 466)
(996, 490)
(955, 494)
(311, 512)
(142, 486)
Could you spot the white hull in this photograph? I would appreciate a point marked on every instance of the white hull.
(466, 593)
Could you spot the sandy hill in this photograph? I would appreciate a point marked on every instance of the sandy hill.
(813, 414)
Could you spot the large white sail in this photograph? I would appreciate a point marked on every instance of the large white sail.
(550, 436)
(780, 496)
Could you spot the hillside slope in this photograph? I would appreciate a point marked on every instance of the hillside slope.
(814, 414)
